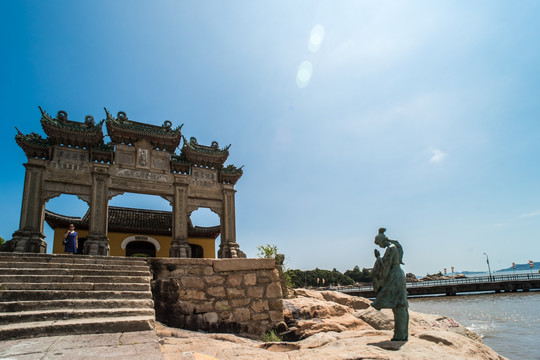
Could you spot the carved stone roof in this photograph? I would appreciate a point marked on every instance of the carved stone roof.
(125, 131)
(128, 220)
(179, 164)
(230, 174)
(33, 145)
(61, 131)
(205, 156)
(102, 153)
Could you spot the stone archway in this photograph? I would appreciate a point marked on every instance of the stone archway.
(140, 158)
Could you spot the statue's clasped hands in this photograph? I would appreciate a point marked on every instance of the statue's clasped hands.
(377, 253)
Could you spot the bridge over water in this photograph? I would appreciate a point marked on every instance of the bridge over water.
(496, 283)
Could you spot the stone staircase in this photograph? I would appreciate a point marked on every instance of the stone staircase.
(45, 295)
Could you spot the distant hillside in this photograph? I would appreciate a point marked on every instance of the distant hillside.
(521, 267)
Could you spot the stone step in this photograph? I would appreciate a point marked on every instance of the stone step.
(66, 258)
(38, 278)
(32, 305)
(75, 286)
(65, 314)
(53, 271)
(21, 295)
(76, 326)
(61, 265)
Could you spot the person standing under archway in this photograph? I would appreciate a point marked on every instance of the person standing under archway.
(71, 240)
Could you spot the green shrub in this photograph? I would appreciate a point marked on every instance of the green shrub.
(271, 336)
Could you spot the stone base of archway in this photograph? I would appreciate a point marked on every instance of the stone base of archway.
(29, 241)
(96, 245)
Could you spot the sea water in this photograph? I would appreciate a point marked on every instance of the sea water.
(509, 323)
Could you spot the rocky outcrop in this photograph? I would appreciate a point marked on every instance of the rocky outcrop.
(410, 277)
(436, 277)
(336, 326)
(310, 312)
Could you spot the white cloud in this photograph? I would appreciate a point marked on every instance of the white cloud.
(534, 213)
(436, 156)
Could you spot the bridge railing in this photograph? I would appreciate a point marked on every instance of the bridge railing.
(467, 280)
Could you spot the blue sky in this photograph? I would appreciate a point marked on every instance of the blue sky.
(419, 116)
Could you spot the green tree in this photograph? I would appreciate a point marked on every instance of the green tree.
(271, 252)
(354, 274)
(358, 275)
(2, 240)
(301, 278)
(267, 251)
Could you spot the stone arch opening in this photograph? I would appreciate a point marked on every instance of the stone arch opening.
(205, 225)
(131, 239)
(137, 200)
(60, 210)
(140, 248)
(197, 251)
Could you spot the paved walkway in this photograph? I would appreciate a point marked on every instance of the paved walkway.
(141, 345)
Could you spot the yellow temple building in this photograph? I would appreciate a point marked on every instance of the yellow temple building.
(136, 232)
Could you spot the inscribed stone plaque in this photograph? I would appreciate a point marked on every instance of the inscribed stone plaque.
(126, 158)
(203, 177)
(142, 158)
(142, 175)
(70, 159)
(70, 155)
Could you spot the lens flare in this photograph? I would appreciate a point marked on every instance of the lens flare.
(315, 38)
(305, 70)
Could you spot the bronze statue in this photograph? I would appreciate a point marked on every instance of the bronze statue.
(390, 285)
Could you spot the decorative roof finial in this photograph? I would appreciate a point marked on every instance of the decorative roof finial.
(89, 120)
(109, 116)
(62, 115)
(122, 116)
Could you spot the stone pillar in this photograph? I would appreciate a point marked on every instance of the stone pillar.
(180, 244)
(30, 237)
(228, 247)
(97, 242)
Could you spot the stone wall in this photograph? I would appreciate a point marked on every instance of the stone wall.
(240, 296)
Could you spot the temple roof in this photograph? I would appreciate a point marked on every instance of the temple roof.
(88, 135)
(33, 145)
(125, 131)
(179, 164)
(205, 156)
(128, 220)
(230, 174)
(62, 131)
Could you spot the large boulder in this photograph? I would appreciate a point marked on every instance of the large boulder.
(319, 311)
(306, 316)
(355, 302)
